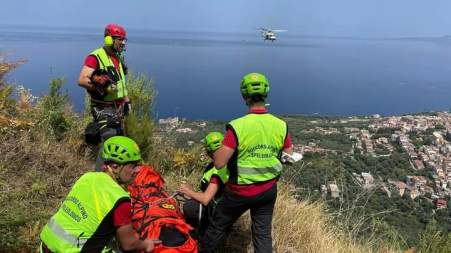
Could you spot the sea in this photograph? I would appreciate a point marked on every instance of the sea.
(197, 74)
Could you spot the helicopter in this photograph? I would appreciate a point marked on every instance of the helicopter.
(269, 34)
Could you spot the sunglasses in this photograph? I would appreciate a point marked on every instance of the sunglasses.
(121, 39)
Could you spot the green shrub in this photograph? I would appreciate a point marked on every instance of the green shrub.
(432, 240)
(56, 117)
(385, 234)
(6, 103)
(139, 124)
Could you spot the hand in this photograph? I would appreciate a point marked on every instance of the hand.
(186, 189)
(150, 244)
(101, 80)
(291, 158)
(286, 158)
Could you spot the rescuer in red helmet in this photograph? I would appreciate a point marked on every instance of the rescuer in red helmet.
(104, 77)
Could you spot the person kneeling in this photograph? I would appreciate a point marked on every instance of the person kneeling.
(98, 206)
(200, 208)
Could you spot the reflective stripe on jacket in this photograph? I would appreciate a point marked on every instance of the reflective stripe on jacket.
(91, 198)
(260, 139)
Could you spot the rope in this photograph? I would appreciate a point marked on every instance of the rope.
(163, 199)
(145, 206)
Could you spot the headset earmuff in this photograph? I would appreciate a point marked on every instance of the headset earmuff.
(108, 41)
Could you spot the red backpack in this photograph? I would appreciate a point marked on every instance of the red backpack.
(156, 215)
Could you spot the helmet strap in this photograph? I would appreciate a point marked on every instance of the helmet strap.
(255, 101)
(246, 99)
(115, 174)
(120, 56)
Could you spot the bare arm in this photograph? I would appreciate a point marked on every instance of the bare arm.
(129, 242)
(84, 80)
(203, 197)
(222, 156)
(288, 150)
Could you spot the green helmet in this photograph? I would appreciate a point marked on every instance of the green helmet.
(254, 84)
(213, 141)
(120, 149)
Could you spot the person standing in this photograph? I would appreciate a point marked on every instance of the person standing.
(251, 149)
(98, 206)
(199, 210)
(103, 75)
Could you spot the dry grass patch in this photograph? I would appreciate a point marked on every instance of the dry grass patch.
(300, 226)
(35, 175)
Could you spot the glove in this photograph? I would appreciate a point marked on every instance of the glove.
(127, 108)
(290, 159)
(286, 158)
(101, 80)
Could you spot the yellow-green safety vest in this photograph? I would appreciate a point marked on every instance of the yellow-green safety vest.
(260, 139)
(91, 198)
(105, 61)
(223, 175)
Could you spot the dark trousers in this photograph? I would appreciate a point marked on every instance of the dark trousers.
(198, 215)
(231, 207)
(109, 123)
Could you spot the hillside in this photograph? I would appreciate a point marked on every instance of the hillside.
(390, 171)
(43, 153)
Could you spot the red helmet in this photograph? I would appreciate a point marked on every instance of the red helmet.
(115, 30)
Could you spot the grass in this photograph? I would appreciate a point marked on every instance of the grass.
(43, 154)
(35, 176)
(303, 226)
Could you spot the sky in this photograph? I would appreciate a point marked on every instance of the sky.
(357, 18)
